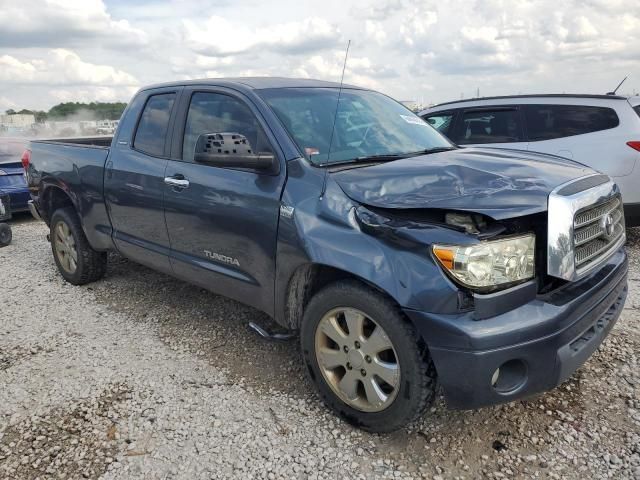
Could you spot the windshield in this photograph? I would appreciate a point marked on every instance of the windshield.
(367, 124)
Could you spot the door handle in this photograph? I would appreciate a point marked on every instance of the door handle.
(177, 181)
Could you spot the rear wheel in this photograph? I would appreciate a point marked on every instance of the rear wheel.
(368, 363)
(77, 262)
(5, 235)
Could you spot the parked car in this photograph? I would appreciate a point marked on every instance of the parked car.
(401, 259)
(5, 214)
(601, 131)
(12, 180)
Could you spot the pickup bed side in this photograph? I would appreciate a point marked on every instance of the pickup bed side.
(72, 173)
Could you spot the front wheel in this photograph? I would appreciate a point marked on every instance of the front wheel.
(366, 360)
(77, 262)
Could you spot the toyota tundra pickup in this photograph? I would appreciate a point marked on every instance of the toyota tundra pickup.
(403, 261)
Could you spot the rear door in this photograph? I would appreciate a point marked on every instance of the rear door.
(134, 179)
(223, 222)
(498, 126)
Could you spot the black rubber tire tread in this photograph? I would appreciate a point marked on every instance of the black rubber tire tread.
(92, 265)
(418, 373)
(5, 234)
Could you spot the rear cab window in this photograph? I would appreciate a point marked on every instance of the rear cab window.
(154, 123)
(499, 125)
(546, 122)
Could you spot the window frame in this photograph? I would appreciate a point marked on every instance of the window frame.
(531, 105)
(182, 116)
(454, 116)
(172, 114)
(524, 138)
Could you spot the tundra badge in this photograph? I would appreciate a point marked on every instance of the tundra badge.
(221, 258)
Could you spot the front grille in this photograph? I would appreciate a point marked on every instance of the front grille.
(596, 229)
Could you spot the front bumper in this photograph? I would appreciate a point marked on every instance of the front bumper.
(537, 346)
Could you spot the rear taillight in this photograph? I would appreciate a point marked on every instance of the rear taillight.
(26, 159)
(635, 145)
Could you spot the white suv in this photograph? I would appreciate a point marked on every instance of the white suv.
(601, 131)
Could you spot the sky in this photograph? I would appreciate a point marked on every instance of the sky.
(427, 51)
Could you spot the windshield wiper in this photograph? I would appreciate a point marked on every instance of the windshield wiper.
(427, 151)
(381, 157)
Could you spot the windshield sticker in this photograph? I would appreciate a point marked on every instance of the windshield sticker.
(311, 151)
(413, 120)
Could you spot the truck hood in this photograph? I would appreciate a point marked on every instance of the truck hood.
(497, 183)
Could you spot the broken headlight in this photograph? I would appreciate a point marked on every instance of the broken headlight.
(489, 264)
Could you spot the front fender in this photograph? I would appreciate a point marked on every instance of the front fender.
(325, 231)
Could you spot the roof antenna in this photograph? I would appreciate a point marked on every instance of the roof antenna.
(335, 117)
(619, 85)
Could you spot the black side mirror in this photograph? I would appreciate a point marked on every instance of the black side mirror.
(231, 150)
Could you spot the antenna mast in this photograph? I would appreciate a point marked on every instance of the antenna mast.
(619, 85)
(335, 114)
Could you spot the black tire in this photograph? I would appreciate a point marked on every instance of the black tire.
(417, 388)
(5, 235)
(91, 265)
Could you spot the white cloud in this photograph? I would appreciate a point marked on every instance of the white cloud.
(61, 67)
(219, 36)
(41, 23)
(409, 49)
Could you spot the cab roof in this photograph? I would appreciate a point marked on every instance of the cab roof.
(255, 83)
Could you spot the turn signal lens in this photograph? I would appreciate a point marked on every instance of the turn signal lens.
(489, 264)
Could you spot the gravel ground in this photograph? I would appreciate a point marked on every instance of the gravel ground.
(143, 376)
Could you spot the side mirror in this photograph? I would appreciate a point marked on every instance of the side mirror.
(231, 150)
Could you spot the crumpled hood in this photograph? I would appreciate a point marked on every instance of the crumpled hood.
(498, 183)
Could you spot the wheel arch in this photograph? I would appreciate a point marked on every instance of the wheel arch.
(53, 198)
(308, 279)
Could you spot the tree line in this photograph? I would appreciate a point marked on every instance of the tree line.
(97, 110)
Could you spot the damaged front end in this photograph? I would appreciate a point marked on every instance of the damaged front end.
(496, 265)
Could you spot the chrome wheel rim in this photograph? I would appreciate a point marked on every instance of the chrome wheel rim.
(357, 359)
(65, 247)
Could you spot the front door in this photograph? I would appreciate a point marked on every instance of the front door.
(134, 181)
(223, 222)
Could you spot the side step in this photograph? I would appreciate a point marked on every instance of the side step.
(282, 336)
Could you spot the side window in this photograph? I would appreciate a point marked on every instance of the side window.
(154, 123)
(546, 122)
(440, 121)
(637, 109)
(218, 113)
(490, 126)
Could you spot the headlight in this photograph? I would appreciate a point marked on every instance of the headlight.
(490, 264)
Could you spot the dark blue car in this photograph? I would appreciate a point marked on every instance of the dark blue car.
(12, 181)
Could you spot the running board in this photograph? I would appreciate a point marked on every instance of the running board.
(273, 336)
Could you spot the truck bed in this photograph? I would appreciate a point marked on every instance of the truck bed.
(102, 141)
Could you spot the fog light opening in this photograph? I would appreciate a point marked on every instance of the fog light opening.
(509, 376)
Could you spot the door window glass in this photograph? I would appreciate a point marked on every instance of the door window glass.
(490, 126)
(441, 122)
(546, 122)
(154, 124)
(218, 113)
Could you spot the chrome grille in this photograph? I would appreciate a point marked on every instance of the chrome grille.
(596, 229)
(585, 226)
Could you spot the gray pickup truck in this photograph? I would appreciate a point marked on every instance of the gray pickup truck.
(402, 260)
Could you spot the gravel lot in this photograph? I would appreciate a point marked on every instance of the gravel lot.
(143, 376)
